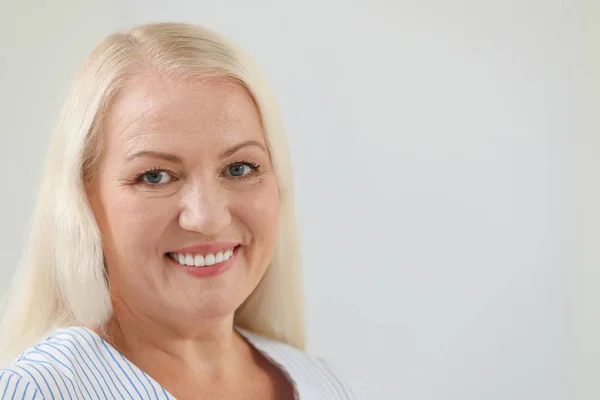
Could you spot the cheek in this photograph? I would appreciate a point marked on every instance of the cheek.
(135, 224)
(260, 213)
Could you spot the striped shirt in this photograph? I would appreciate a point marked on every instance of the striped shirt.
(76, 363)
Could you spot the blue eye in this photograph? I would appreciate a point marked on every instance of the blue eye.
(238, 170)
(156, 177)
(241, 169)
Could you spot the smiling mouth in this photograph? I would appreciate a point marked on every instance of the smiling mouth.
(202, 260)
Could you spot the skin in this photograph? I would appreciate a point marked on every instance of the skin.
(176, 327)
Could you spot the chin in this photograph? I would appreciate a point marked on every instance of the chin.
(215, 306)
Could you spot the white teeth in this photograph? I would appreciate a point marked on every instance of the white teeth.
(209, 259)
(199, 260)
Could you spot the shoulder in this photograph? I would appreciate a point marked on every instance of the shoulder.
(313, 376)
(50, 367)
(13, 385)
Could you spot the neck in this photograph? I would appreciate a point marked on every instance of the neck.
(210, 347)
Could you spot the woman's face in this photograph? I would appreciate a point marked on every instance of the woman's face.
(184, 177)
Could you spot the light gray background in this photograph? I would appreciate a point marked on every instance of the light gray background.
(435, 165)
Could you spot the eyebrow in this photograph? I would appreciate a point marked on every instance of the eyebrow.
(240, 146)
(154, 154)
(176, 159)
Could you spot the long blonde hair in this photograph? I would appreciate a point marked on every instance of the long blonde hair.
(61, 281)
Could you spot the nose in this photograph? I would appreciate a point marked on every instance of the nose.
(205, 210)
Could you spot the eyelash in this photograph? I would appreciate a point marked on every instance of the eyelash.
(139, 177)
(255, 168)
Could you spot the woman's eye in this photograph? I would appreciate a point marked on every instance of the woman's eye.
(240, 170)
(156, 177)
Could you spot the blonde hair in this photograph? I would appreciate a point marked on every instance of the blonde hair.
(61, 281)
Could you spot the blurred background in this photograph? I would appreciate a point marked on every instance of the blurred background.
(446, 156)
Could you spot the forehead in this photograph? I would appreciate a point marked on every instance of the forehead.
(153, 107)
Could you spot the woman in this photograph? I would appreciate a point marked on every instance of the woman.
(164, 258)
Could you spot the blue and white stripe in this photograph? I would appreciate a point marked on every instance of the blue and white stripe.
(76, 363)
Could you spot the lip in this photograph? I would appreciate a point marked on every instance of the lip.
(204, 248)
(206, 272)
